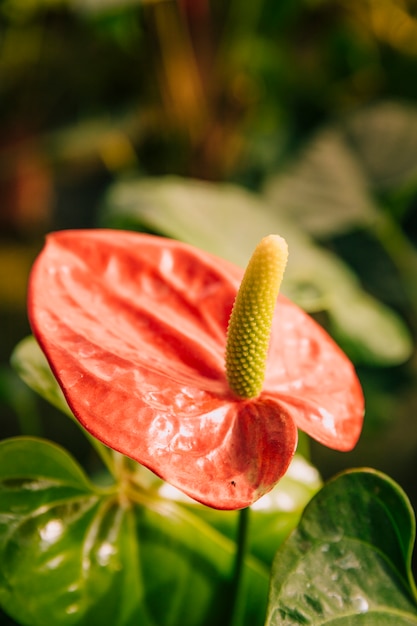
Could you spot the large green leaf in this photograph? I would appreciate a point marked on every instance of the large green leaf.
(229, 221)
(328, 187)
(332, 186)
(71, 553)
(384, 139)
(324, 189)
(349, 561)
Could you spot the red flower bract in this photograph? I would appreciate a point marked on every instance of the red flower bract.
(134, 328)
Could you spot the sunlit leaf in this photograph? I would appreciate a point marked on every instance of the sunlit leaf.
(71, 553)
(324, 189)
(30, 363)
(222, 219)
(384, 139)
(328, 186)
(229, 221)
(349, 561)
(367, 330)
(368, 336)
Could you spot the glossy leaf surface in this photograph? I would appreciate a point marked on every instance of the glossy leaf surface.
(134, 328)
(73, 554)
(349, 561)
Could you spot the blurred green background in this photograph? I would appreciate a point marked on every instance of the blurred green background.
(212, 121)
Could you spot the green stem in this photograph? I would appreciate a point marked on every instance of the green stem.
(401, 251)
(235, 606)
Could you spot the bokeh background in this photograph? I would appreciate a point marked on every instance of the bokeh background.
(208, 120)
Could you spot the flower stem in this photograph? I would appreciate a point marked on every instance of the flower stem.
(235, 606)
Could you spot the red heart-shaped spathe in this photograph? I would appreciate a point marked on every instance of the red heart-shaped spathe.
(134, 328)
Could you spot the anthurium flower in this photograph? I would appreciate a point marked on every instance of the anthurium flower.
(135, 326)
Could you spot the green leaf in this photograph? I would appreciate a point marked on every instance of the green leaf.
(324, 188)
(71, 553)
(272, 517)
(30, 363)
(328, 187)
(220, 218)
(384, 138)
(368, 331)
(229, 221)
(349, 561)
(366, 335)
(33, 368)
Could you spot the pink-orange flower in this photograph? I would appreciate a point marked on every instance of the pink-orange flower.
(134, 328)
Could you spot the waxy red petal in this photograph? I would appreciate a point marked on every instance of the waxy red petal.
(312, 378)
(134, 327)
